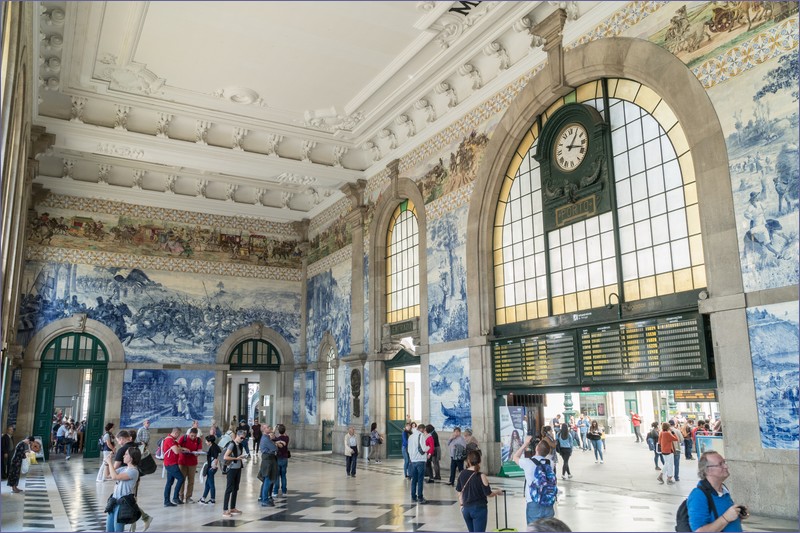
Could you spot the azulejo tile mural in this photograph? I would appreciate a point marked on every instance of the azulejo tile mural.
(344, 401)
(159, 317)
(328, 309)
(311, 398)
(447, 276)
(297, 389)
(451, 404)
(759, 117)
(774, 340)
(168, 398)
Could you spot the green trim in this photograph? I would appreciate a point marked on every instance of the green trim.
(65, 351)
(403, 358)
(261, 355)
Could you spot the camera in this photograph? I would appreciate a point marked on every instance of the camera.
(743, 511)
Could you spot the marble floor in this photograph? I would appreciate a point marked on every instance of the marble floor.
(619, 495)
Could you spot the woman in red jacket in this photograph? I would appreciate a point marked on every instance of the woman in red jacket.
(665, 440)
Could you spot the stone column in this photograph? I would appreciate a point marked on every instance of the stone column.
(355, 222)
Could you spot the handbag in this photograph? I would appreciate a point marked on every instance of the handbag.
(288, 454)
(460, 502)
(147, 465)
(129, 511)
(111, 502)
(26, 465)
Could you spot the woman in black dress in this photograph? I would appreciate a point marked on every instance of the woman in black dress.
(15, 468)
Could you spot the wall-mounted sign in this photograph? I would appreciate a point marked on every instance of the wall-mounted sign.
(699, 395)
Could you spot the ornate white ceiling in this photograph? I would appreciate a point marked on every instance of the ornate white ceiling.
(263, 109)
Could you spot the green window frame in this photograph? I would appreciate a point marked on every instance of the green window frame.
(255, 354)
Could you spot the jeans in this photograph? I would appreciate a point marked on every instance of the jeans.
(534, 511)
(455, 464)
(598, 449)
(406, 462)
(211, 486)
(246, 446)
(475, 517)
(687, 444)
(173, 474)
(565, 455)
(677, 458)
(283, 463)
(638, 433)
(584, 442)
(417, 480)
(111, 520)
(232, 488)
(266, 489)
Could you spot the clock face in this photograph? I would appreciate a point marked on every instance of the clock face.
(570, 147)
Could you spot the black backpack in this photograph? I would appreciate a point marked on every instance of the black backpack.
(682, 516)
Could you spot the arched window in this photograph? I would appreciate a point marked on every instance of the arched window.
(330, 376)
(656, 225)
(255, 354)
(77, 348)
(402, 264)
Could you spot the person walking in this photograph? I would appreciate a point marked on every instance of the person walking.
(15, 467)
(457, 447)
(686, 433)
(108, 448)
(564, 439)
(636, 420)
(125, 478)
(256, 429)
(712, 469)
(534, 483)
(676, 450)
(234, 455)
(473, 492)
(211, 467)
(404, 449)
(665, 441)
(418, 454)
(595, 436)
(282, 442)
(375, 440)
(583, 429)
(351, 451)
(652, 443)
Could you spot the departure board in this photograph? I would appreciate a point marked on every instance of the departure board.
(668, 348)
(696, 395)
(541, 360)
(664, 348)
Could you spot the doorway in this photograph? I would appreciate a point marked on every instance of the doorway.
(66, 357)
(404, 398)
(253, 381)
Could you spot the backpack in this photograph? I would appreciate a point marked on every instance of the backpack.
(226, 465)
(459, 452)
(682, 515)
(160, 448)
(543, 489)
(225, 440)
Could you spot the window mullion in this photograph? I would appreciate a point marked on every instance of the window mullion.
(612, 181)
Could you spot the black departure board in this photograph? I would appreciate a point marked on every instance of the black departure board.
(667, 348)
(549, 359)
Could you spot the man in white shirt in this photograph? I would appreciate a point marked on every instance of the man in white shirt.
(143, 434)
(533, 510)
(418, 455)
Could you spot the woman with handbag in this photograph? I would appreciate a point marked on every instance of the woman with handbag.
(108, 448)
(596, 438)
(375, 441)
(15, 468)
(473, 490)
(210, 469)
(125, 478)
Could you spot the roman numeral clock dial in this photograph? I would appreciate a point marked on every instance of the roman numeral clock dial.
(570, 147)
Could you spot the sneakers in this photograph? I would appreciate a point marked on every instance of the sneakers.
(657, 468)
(170, 504)
(563, 476)
(235, 511)
(212, 501)
(226, 514)
(189, 500)
(201, 500)
(660, 479)
(378, 461)
(177, 502)
(423, 501)
(601, 461)
(147, 521)
(569, 476)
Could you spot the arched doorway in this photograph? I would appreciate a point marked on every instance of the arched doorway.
(403, 398)
(254, 365)
(73, 351)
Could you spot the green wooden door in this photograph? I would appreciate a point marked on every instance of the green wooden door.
(631, 405)
(45, 399)
(95, 422)
(327, 435)
(396, 419)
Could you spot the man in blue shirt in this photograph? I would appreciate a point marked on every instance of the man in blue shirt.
(727, 516)
(583, 426)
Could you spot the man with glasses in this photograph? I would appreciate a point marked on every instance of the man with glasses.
(724, 515)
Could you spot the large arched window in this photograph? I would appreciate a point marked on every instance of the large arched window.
(255, 354)
(656, 226)
(79, 349)
(402, 264)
